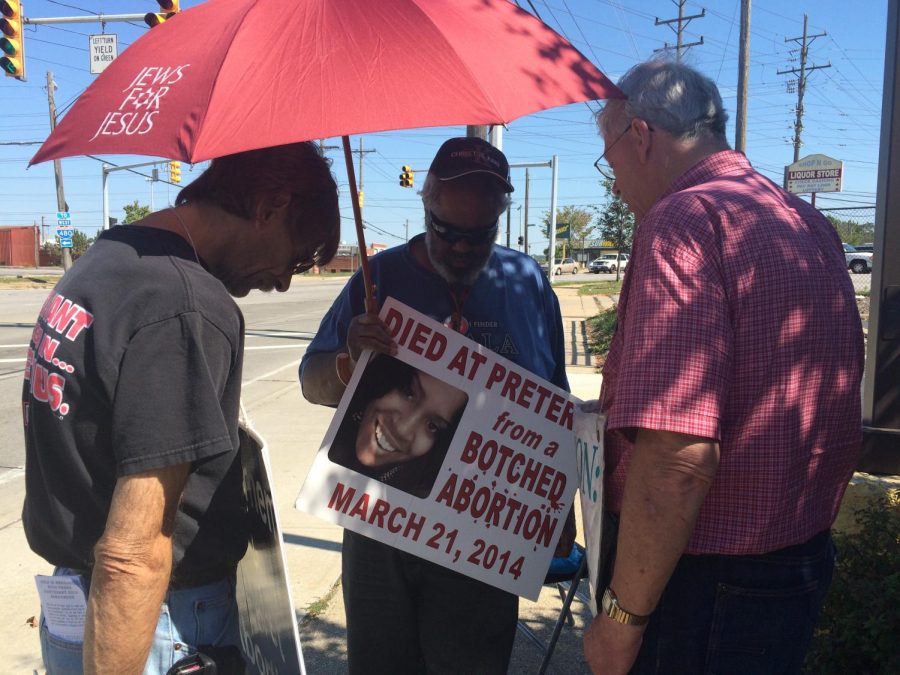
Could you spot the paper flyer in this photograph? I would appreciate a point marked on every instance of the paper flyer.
(63, 604)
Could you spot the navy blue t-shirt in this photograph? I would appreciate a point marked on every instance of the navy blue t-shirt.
(511, 308)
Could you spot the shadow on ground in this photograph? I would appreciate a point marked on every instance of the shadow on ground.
(324, 648)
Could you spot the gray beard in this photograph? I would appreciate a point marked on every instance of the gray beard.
(447, 273)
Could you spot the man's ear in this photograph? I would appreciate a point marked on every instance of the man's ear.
(271, 208)
(643, 138)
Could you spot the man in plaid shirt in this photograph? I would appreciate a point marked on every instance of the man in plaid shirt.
(732, 395)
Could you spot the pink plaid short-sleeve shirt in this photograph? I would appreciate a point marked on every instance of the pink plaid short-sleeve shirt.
(737, 322)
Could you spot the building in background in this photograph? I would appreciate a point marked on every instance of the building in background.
(20, 245)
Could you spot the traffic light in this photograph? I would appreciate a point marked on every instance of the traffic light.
(169, 9)
(407, 177)
(12, 43)
(175, 171)
(361, 198)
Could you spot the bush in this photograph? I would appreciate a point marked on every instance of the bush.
(600, 332)
(860, 622)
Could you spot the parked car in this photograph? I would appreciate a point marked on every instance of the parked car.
(607, 262)
(858, 262)
(566, 265)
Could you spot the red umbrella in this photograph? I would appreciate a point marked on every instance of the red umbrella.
(233, 75)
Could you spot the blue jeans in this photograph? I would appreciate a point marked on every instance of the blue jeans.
(189, 617)
(739, 614)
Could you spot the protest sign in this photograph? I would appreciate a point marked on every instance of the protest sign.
(589, 429)
(487, 494)
(267, 621)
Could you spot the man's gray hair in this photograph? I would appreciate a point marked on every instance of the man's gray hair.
(670, 96)
(484, 186)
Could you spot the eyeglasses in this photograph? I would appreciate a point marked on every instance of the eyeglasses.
(304, 261)
(603, 167)
(301, 267)
(452, 234)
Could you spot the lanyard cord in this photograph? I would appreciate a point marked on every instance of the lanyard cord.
(458, 302)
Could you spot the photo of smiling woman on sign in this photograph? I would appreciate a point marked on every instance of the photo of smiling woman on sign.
(398, 425)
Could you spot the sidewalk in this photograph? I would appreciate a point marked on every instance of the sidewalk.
(293, 429)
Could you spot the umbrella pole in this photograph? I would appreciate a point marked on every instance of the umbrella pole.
(371, 305)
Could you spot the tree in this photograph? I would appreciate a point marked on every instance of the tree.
(80, 242)
(135, 212)
(615, 222)
(851, 231)
(579, 221)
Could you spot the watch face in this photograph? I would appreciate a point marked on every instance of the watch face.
(608, 603)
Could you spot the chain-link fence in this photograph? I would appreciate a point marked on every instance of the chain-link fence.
(856, 227)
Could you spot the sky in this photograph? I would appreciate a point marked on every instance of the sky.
(842, 109)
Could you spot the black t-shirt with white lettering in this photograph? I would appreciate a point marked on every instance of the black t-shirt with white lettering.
(134, 364)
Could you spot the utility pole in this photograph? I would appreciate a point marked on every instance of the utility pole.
(682, 22)
(804, 41)
(527, 185)
(407, 229)
(740, 119)
(361, 153)
(57, 168)
(154, 176)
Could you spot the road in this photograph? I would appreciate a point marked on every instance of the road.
(279, 328)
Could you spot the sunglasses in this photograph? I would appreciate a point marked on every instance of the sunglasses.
(451, 234)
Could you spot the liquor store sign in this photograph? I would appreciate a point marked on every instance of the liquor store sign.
(814, 173)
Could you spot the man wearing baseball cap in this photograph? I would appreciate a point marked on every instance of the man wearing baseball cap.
(405, 614)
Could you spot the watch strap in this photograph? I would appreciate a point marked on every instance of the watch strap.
(612, 609)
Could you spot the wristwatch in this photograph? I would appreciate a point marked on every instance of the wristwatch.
(612, 609)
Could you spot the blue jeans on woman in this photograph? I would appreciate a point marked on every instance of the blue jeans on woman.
(188, 618)
(739, 615)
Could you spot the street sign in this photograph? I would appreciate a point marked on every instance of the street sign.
(64, 229)
(814, 173)
(103, 49)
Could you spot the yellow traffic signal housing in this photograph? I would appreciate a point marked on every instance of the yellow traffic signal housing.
(12, 42)
(361, 198)
(407, 177)
(175, 172)
(169, 9)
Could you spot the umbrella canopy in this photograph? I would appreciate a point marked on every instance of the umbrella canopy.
(233, 75)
